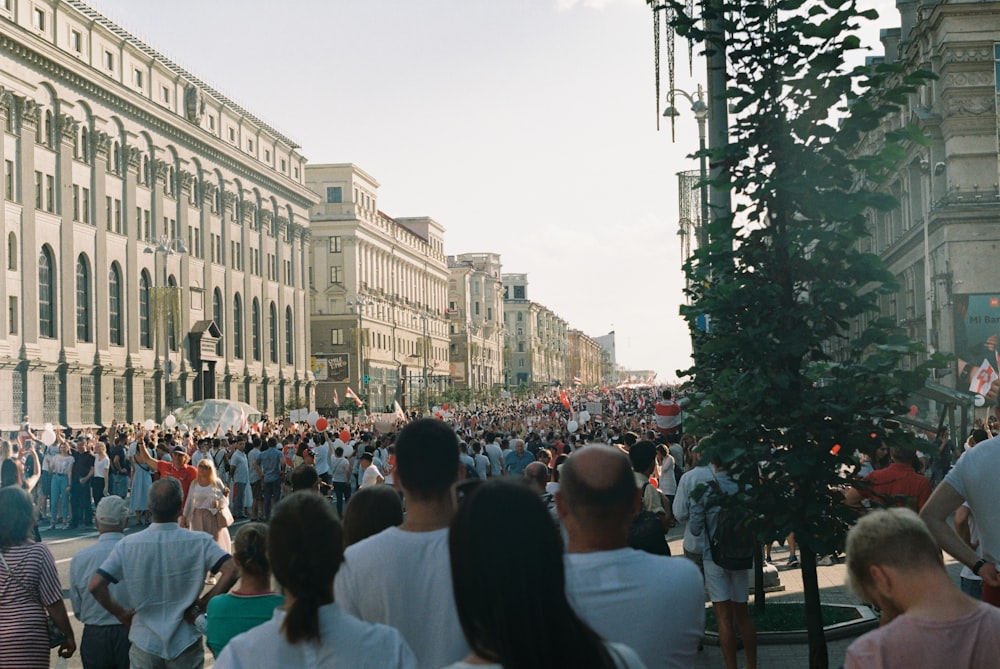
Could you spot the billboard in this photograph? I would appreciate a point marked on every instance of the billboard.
(977, 333)
(333, 368)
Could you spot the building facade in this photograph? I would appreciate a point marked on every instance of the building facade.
(378, 296)
(940, 243)
(156, 232)
(536, 347)
(585, 360)
(475, 322)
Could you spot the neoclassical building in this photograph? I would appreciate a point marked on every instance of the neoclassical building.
(475, 315)
(536, 343)
(378, 294)
(156, 233)
(585, 362)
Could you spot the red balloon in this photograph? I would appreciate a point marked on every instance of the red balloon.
(322, 424)
(914, 410)
(444, 406)
(345, 436)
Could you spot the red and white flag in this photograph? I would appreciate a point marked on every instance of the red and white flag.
(983, 379)
(336, 397)
(564, 398)
(398, 411)
(350, 394)
(642, 402)
(577, 380)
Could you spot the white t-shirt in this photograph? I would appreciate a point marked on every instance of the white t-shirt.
(345, 641)
(397, 578)
(370, 477)
(623, 656)
(101, 467)
(241, 467)
(495, 454)
(322, 453)
(651, 603)
(682, 506)
(252, 456)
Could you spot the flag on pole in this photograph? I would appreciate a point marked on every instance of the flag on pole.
(642, 402)
(983, 379)
(577, 380)
(564, 398)
(336, 397)
(350, 394)
(398, 413)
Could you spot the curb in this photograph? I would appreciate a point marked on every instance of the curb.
(845, 630)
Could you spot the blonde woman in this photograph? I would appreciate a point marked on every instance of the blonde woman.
(207, 507)
(99, 482)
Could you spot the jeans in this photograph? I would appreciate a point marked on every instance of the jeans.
(237, 500)
(118, 485)
(104, 647)
(80, 500)
(193, 657)
(272, 493)
(342, 490)
(59, 498)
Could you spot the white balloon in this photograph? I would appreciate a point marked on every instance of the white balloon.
(149, 424)
(572, 426)
(48, 437)
(980, 400)
(170, 421)
(47, 426)
(348, 450)
(584, 416)
(182, 427)
(312, 418)
(435, 409)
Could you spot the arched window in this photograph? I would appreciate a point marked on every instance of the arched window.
(83, 299)
(289, 344)
(171, 324)
(217, 317)
(116, 158)
(145, 335)
(237, 327)
(49, 129)
(272, 326)
(85, 144)
(12, 251)
(115, 305)
(255, 328)
(46, 294)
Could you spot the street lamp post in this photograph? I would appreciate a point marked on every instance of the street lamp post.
(167, 246)
(424, 316)
(700, 110)
(360, 302)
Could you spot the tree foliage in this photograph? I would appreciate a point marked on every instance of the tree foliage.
(782, 277)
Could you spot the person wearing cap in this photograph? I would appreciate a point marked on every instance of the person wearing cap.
(371, 475)
(105, 639)
(178, 468)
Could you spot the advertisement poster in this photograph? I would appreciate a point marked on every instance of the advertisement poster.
(977, 334)
(333, 368)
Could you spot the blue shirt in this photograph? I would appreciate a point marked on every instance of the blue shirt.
(84, 565)
(270, 461)
(516, 464)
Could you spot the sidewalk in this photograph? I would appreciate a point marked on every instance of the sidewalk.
(833, 590)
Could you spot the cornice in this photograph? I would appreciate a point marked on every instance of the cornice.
(298, 194)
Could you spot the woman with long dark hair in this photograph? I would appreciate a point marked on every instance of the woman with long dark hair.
(519, 616)
(306, 548)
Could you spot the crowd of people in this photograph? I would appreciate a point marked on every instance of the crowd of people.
(499, 537)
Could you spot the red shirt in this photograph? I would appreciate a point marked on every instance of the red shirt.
(184, 474)
(899, 479)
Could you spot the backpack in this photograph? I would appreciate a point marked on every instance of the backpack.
(733, 545)
(646, 532)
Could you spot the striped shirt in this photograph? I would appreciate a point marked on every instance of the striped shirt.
(33, 585)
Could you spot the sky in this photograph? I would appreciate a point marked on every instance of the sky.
(524, 127)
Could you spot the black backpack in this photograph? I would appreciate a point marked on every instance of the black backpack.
(646, 532)
(733, 545)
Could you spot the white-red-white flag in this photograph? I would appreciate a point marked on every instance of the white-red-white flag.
(577, 380)
(336, 397)
(398, 413)
(983, 379)
(350, 394)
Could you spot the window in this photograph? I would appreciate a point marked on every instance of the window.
(334, 194)
(12, 312)
(145, 336)
(82, 299)
(118, 216)
(520, 363)
(267, 155)
(147, 225)
(489, 313)
(520, 316)
(272, 328)
(283, 165)
(115, 305)
(85, 205)
(520, 347)
(337, 336)
(211, 123)
(518, 292)
(46, 294)
(171, 326)
(50, 193)
(232, 134)
(250, 145)
(75, 40)
(255, 328)
(237, 327)
(336, 274)
(137, 77)
(289, 345)
(38, 19)
(76, 202)
(217, 317)
(109, 61)
(38, 189)
(12, 252)
(165, 94)
(8, 179)
(476, 305)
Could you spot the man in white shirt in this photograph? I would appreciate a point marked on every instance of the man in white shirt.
(321, 451)
(370, 475)
(652, 603)
(239, 470)
(495, 454)
(401, 574)
(694, 546)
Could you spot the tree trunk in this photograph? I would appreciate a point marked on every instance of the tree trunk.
(818, 657)
(758, 580)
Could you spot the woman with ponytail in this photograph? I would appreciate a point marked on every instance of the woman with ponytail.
(251, 602)
(519, 618)
(305, 549)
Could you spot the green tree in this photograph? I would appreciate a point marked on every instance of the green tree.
(784, 395)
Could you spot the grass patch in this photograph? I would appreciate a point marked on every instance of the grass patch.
(788, 617)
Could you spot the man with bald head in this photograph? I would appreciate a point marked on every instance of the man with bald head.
(652, 603)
